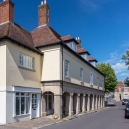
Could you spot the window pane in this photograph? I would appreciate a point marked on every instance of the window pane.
(22, 94)
(17, 105)
(22, 105)
(17, 93)
(27, 105)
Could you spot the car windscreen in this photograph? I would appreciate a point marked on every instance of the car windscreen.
(125, 99)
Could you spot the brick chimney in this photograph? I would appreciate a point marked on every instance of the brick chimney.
(43, 14)
(79, 41)
(6, 11)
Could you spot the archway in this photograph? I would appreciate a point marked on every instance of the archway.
(81, 102)
(66, 101)
(74, 102)
(49, 102)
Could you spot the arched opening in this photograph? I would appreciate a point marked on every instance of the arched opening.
(49, 102)
(91, 99)
(95, 102)
(86, 101)
(66, 101)
(81, 102)
(74, 102)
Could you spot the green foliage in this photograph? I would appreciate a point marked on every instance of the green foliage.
(110, 79)
(126, 81)
(126, 58)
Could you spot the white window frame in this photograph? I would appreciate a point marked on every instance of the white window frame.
(91, 78)
(20, 96)
(81, 75)
(26, 61)
(66, 68)
(72, 45)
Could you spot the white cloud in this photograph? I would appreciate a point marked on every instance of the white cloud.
(125, 74)
(119, 67)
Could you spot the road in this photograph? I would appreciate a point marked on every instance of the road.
(111, 118)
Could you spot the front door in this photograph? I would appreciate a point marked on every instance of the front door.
(49, 106)
(34, 105)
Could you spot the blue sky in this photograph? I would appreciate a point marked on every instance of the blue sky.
(102, 25)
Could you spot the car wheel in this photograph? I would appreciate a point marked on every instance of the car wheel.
(125, 116)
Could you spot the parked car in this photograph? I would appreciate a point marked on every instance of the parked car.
(127, 110)
(125, 101)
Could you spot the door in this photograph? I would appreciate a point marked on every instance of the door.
(49, 106)
(34, 105)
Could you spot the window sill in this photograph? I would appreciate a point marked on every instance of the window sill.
(21, 115)
(26, 68)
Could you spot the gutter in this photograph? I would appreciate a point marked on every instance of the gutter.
(22, 44)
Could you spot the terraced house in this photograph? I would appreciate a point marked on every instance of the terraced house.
(44, 73)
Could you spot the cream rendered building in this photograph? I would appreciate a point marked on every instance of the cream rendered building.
(43, 73)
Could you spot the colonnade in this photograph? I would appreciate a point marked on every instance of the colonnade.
(76, 103)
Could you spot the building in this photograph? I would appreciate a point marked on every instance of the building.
(121, 91)
(44, 73)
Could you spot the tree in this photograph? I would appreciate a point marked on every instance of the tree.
(126, 81)
(110, 76)
(125, 57)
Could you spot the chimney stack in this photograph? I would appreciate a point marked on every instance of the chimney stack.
(79, 41)
(43, 14)
(6, 11)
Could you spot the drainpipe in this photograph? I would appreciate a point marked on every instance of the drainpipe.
(62, 81)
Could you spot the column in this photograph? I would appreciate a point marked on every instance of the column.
(93, 103)
(96, 102)
(84, 104)
(71, 104)
(58, 106)
(78, 104)
(103, 102)
(43, 105)
(88, 103)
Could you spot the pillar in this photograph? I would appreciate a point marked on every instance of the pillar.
(71, 104)
(43, 106)
(84, 104)
(78, 104)
(58, 106)
(96, 103)
(93, 103)
(103, 102)
(88, 103)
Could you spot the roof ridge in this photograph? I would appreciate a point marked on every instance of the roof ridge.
(56, 34)
(7, 29)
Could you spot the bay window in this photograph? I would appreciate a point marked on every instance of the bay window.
(26, 61)
(22, 103)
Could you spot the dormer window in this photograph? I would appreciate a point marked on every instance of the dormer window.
(72, 45)
(93, 61)
(85, 56)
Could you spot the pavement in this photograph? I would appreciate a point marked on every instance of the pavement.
(111, 118)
